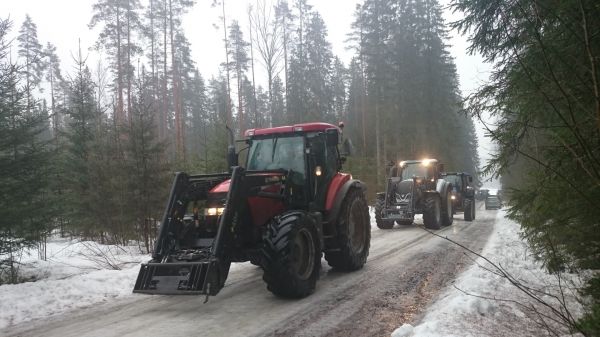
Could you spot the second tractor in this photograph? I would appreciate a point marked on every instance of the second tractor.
(415, 187)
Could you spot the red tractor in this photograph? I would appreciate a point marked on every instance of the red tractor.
(288, 204)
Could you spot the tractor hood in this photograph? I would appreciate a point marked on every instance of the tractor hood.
(223, 187)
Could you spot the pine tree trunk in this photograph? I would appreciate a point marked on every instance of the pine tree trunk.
(255, 124)
(119, 112)
(129, 61)
(176, 99)
(165, 112)
(229, 116)
(285, 61)
(377, 137)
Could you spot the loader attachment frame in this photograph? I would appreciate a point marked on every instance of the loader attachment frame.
(203, 270)
(207, 273)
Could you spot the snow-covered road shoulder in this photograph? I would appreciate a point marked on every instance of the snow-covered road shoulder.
(480, 303)
(75, 275)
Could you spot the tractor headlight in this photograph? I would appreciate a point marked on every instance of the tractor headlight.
(453, 197)
(212, 211)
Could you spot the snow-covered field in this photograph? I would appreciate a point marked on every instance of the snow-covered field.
(480, 303)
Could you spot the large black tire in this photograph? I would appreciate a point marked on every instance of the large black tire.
(469, 210)
(447, 210)
(379, 205)
(291, 255)
(353, 238)
(432, 213)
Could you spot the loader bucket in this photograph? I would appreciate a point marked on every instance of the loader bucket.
(180, 278)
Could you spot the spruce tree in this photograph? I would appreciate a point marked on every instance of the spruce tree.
(25, 211)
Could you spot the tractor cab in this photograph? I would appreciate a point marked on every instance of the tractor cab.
(424, 172)
(308, 153)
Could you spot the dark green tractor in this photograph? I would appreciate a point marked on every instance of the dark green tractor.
(415, 187)
(463, 193)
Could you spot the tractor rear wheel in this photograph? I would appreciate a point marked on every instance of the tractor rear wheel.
(382, 224)
(447, 210)
(291, 255)
(432, 213)
(353, 233)
(469, 210)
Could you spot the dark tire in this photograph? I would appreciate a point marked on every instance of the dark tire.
(353, 233)
(469, 210)
(382, 224)
(291, 255)
(404, 222)
(447, 210)
(432, 213)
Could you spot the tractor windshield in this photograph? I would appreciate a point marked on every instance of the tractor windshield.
(277, 153)
(415, 170)
(454, 180)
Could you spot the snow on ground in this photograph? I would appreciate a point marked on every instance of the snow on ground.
(76, 274)
(457, 312)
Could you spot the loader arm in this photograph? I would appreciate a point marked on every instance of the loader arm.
(202, 268)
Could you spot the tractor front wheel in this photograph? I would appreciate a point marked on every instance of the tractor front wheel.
(291, 255)
(353, 233)
(379, 206)
(432, 213)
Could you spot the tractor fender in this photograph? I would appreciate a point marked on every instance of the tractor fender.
(340, 194)
(442, 187)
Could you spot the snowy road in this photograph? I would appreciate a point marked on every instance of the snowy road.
(407, 267)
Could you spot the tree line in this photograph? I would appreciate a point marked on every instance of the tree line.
(89, 152)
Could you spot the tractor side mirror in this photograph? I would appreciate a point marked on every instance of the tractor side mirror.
(347, 148)
(232, 158)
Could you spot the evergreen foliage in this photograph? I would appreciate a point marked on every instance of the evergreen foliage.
(404, 80)
(544, 97)
(25, 209)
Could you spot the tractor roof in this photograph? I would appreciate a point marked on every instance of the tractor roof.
(432, 161)
(296, 128)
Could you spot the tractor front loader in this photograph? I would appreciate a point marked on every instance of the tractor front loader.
(282, 211)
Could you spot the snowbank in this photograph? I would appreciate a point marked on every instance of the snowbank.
(480, 303)
(75, 275)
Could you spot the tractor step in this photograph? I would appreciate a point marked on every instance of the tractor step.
(179, 278)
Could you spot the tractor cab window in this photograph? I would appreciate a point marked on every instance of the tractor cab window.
(285, 153)
(416, 170)
(455, 181)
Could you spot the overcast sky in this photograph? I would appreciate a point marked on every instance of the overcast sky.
(64, 22)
